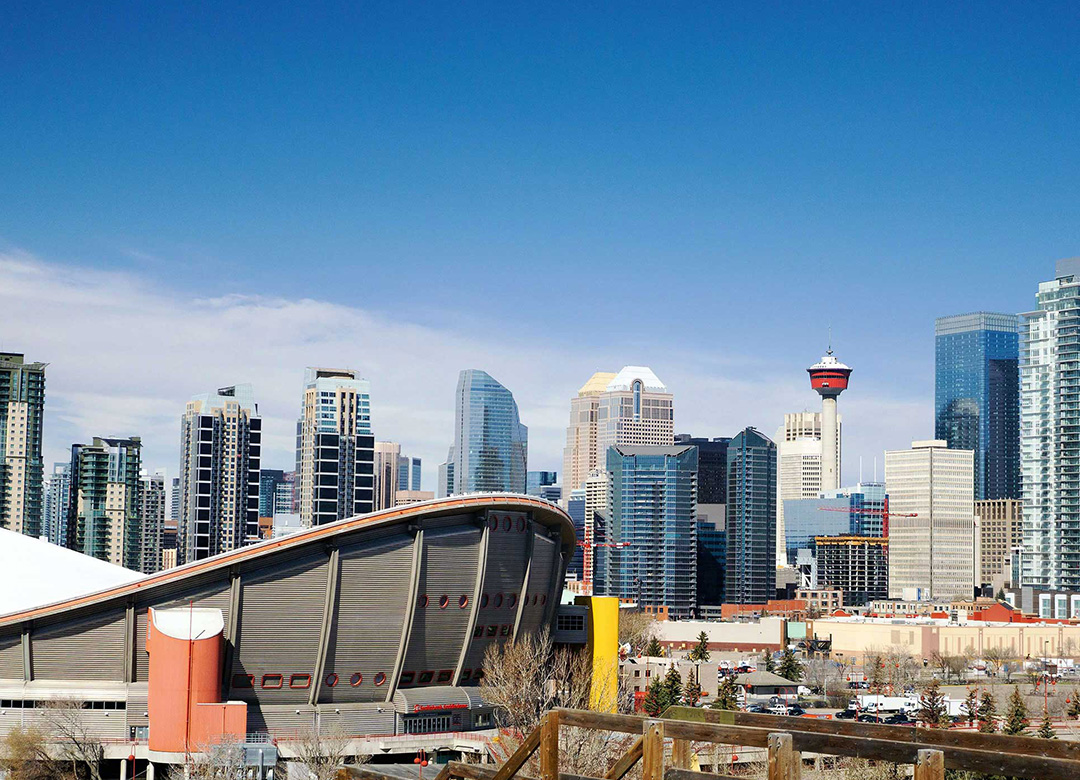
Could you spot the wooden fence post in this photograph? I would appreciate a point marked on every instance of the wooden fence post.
(930, 765)
(782, 757)
(652, 751)
(549, 747)
(681, 754)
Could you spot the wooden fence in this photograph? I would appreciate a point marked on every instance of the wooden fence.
(931, 751)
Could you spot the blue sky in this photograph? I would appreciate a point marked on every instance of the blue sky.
(600, 184)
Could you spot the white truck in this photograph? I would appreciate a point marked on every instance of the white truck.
(886, 705)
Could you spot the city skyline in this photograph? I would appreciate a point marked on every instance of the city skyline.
(717, 392)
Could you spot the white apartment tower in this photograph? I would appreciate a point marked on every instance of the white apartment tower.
(220, 455)
(22, 472)
(335, 447)
(1049, 422)
(631, 407)
(798, 466)
(932, 541)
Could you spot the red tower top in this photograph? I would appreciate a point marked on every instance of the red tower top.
(829, 376)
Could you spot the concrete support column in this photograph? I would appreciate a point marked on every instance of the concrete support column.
(123, 768)
(149, 770)
(830, 469)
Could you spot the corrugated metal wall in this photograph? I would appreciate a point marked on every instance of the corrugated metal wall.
(504, 573)
(359, 719)
(11, 665)
(137, 697)
(450, 560)
(280, 621)
(543, 559)
(90, 649)
(372, 598)
(281, 720)
(213, 596)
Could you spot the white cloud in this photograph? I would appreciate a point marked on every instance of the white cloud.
(126, 355)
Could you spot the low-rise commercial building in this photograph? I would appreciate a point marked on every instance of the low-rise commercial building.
(768, 633)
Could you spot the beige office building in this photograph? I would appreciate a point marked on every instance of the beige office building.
(798, 467)
(631, 407)
(934, 550)
(1001, 530)
(404, 497)
(387, 457)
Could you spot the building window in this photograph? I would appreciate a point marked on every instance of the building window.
(300, 681)
(571, 622)
(243, 681)
(426, 677)
(422, 601)
(444, 601)
(331, 680)
(445, 676)
(272, 681)
(380, 678)
(463, 601)
(356, 679)
(407, 678)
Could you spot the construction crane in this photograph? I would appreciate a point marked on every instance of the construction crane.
(884, 514)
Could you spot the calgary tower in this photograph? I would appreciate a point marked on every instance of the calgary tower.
(830, 378)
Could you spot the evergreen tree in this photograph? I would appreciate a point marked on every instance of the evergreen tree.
(700, 652)
(1074, 704)
(970, 708)
(693, 692)
(1000, 594)
(767, 662)
(673, 688)
(933, 711)
(653, 649)
(727, 695)
(1016, 716)
(653, 704)
(988, 714)
(790, 666)
(1046, 728)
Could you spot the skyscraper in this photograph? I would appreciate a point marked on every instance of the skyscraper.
(57, 496)
(575, 507)
(491, 445)
(409, 472)
(653, 493)
(387, 458)
(1049, 445)
(580, 455)
(535, 480)
(977, 396)
(220, 455)
(712, 467)
(931, 521)
(335, 447)
(829, 377)
(631, 407)
(152, 514)
(751, 519)
(22, 472)
(269, 479)
(103, 511)
(798, 459)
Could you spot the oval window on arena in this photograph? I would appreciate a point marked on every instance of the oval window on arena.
(463, 601)
(513, 600)
(422, 601)
(506, 523)
(521, 525)
(356, 679)
(498, 600)
(493, 523)
(484, 601)
(380, 678)
(543, 600)
(331, 680)
(444, 601)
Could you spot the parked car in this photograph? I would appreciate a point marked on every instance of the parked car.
(795, 710)
(869, 717)
(898, 719)
(845, 715)
(756, 708)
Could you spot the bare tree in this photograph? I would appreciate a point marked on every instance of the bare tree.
(526, 677)
(75, 741)
(222, 760)
(323, 755)
(636, 629)
(24, 755)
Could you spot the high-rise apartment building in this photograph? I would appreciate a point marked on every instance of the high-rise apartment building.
(595, 558)
(335, 452)
(931, 521)
(174, 503)
(269, 479)
(977, 396)
(151, 510)
(57, 497)
(631, 407)
(798, 462)
(575, 507)
(751, 519)
(1001, 527)
(491, 446)
(103, 510)
(653, 497)
(409, 471)
(1049, 444)
(22, 408)
(712, 466)
(285, 495)
(220, 456)
(387, 479)
(535, 480)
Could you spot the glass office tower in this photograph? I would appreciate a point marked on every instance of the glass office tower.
(490, 443)
(751, 519)
(653, 498)
(977, 396)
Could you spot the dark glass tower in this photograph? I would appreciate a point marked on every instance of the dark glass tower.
(977, 396)
(712, 467)
(751, 519)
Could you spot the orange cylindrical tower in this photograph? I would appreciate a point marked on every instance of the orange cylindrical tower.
(185, 647)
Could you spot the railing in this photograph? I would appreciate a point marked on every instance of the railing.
(931, 751)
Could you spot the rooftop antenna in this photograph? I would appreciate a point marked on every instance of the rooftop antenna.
(829, 352)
